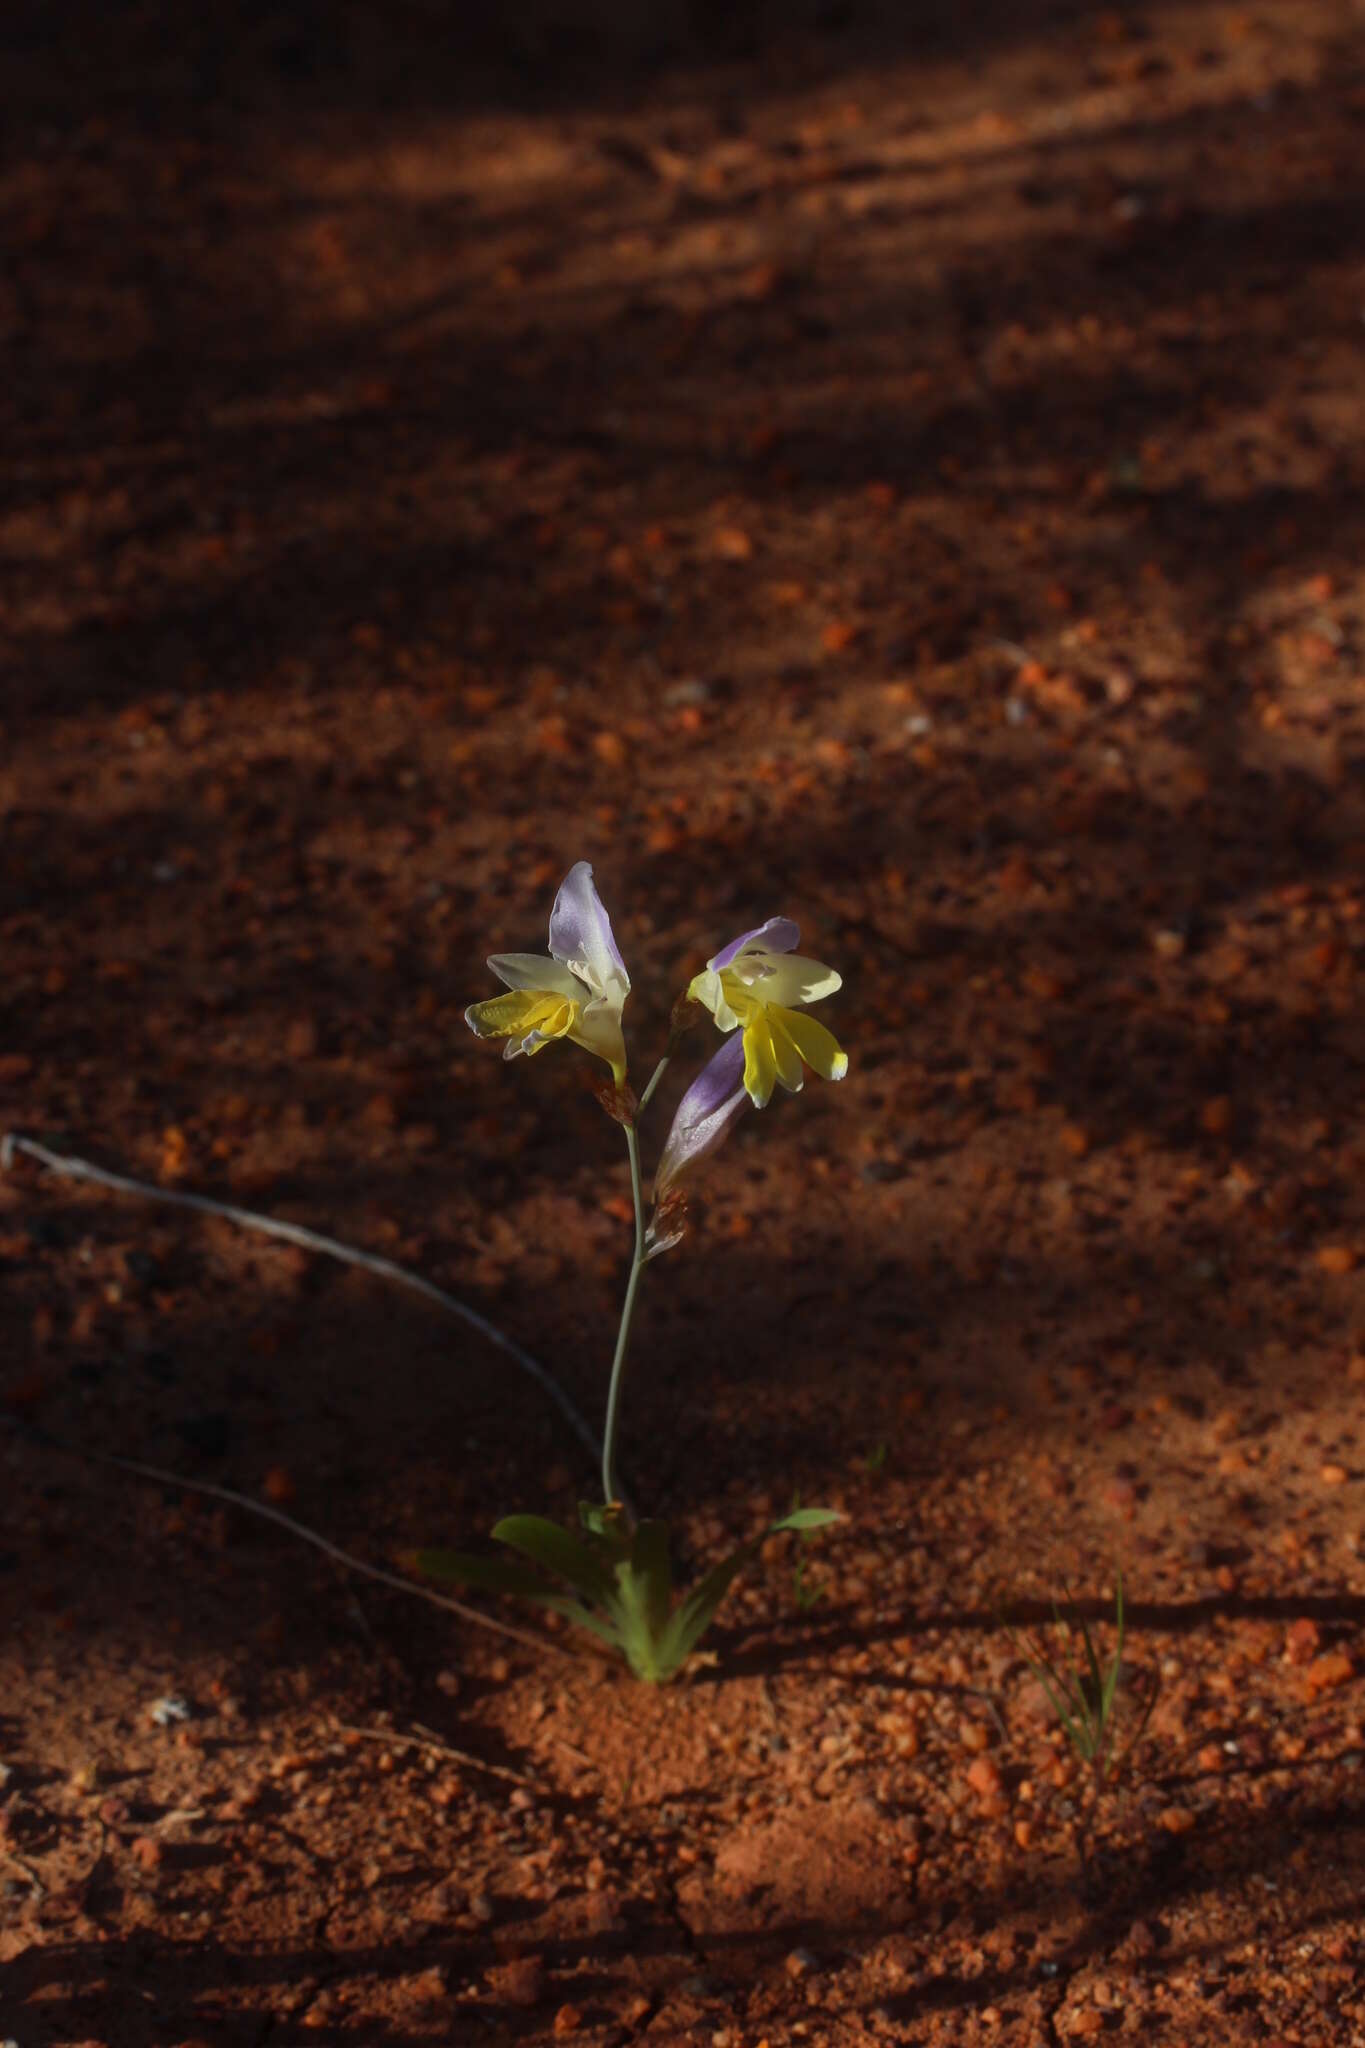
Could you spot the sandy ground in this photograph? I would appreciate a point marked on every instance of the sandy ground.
(903, 479)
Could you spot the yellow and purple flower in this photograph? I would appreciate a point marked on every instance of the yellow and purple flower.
(578, 992)
(753, 986)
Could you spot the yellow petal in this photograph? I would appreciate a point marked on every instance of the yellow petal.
(819, 1048)
(760, 1064)
(521, 1013)
(790, 1071)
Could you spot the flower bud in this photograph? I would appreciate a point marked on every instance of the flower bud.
(685, 1015)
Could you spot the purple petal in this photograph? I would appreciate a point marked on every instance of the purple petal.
(581, 935)
(705, 1113)
(779, 935)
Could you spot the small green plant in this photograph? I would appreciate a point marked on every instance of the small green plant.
(874, 1464)
(621, 1579)
(618, 1571)
(1084, 1693)
(805, 1591)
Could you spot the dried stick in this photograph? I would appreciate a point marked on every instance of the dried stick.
(309, 1240)
(431, 1746)
(322, 1543)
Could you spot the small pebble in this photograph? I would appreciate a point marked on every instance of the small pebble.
(1302, 1641)
(1333, 1669)
(301, 1038)
(1215, 1118)
(1139, 1942)
(170, 1708)
(1336, 1258)
(801, 1962)
(430, 1987)
(983, 1775)
(518, 1982)
(688, 691)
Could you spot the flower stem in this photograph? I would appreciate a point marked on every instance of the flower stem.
(653, 1081)
(618, 1363)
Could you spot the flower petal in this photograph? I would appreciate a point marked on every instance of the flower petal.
(537, 971)
(790, 1071)
(788, 978)
(707, 989)
(705, 1113)
(528, 1018)
(760, 1061)
(819, 1048)
(581, 936)
(597, 1029)
(779, 935)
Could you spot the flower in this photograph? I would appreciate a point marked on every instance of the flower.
(750, 986)
(577, 993)
(704, 1115)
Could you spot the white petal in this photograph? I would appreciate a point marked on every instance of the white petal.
(787, 978)
(598, 1030)
(705, 988)
(536, 970)
(581, 936)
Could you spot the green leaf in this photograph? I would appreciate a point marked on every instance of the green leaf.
(500, 1575)
(596, 1624)
(1065, 1695)
(545, 1543)
(644, 1599)
(1111, 1683)
(652, 1570)
(607, 1525)
(1095, 1696)
(487, 1574)
(806, 1518)
(691, 1621)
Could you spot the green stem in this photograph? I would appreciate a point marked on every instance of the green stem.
(618, 1363)
(653, 1081)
